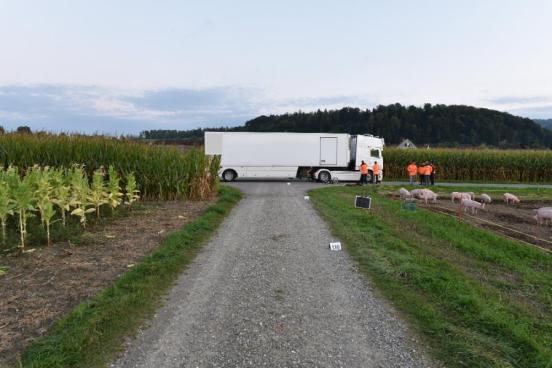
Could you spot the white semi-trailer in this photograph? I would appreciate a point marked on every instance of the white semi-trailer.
(324, 156)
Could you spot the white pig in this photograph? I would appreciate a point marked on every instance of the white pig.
(510, 198)
(404, 193)
(485, 198)
(415, 193)
(543, 215)
(459, 196)
(471, 205)
(428, 195)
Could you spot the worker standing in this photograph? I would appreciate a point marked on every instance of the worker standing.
(363, 173)
(375, 173)
(412, 170)
(421, 174)
(432, 175)
(427, 173)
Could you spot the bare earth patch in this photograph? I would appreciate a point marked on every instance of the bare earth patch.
(514, 220)
(42, 286)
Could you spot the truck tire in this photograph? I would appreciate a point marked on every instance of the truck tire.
(229, 175)
(324, 176)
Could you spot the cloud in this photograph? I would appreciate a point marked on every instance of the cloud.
(533, 107)
(534, 112)
(97, 109)
(518, 100)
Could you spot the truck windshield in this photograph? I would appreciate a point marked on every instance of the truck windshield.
(375, 153)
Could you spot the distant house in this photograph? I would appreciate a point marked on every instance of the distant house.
(406, 143)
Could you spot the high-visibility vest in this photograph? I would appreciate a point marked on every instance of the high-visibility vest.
(427, 170)
(364, 169)
(376, 169)
(412, 169)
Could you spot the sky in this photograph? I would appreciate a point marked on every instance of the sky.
(120, 67)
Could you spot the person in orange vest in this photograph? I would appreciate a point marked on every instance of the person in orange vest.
(363, 173)
(421, 174)
(427, 173)
(375, 173)
(412, 170)
(432, 176)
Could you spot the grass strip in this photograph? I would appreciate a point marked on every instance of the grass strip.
(477, 299)
(93, 332)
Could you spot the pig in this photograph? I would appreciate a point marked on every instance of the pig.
(471, 194)
(543, 215)
(460, 196)
(415, 193)
(471, 205)
(485, 198)
(510, 198)
(404, 193)
(427, 194)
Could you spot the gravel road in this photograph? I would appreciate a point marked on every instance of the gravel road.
(267, 292)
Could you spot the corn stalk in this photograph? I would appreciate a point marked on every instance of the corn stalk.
(131, 189)
(98, 195)
(114, 194)
(79, 194)
(62, 193)
(23, 197)
(6, 207)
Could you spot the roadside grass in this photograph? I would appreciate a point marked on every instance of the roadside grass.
(93, 332)
(477, 299)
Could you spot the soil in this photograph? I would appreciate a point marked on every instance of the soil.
(514, 221)
(41, 286)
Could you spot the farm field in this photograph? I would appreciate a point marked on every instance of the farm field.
(43, 285)
(77, 212)
(477, 298)
(161, 172)
(514, 220)
(480, 165)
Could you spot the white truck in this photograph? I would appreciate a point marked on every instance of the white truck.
(323, 156)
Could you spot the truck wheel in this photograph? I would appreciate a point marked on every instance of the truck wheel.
(229, 175)
(324, 177)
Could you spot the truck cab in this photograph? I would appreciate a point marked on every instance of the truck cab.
(367, 148)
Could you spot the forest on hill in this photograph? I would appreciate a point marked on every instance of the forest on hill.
(547, 123)
(436, 125)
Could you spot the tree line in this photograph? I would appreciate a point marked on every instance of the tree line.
(436, 125)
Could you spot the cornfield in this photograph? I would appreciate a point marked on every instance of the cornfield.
(53, 194)
(161, 172)
(528, 166)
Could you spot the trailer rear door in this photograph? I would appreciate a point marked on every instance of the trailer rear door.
(328, 151)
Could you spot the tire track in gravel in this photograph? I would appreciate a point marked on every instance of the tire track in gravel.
(267, 292)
